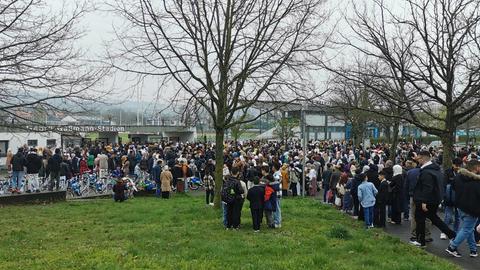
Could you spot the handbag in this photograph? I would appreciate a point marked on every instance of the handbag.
(338, 201)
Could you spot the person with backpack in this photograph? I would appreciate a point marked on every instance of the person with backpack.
(232, 195)
(427, 196)
(451, 212)
(467, 187)
(256, 196)
(270, 199)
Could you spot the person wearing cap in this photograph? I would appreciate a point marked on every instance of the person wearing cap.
(427, 196)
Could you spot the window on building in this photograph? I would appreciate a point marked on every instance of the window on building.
(32, 143)
(3, 148)
(51, 143)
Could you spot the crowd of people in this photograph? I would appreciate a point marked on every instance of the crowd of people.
(374, 184)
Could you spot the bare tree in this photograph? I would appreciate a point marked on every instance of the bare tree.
(39, 65)
(432, 55)
(225, 55)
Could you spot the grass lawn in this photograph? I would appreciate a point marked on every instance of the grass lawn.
(181, 233)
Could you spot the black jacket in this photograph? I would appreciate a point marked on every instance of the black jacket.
(18, 162)
(467, 192)
(256, 196)
(372, 176)
(34, 163)
(396, 185)
(357, 180)
(383, 196)
(429, 187)
(54, 164)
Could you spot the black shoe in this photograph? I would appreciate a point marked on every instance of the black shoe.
(473, 254)
(453, 252)
(428, 240)
(413, 239)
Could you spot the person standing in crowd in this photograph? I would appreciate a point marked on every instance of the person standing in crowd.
(467, 187)
(334, 180)
(34, 163)
(18, 170)
(357, 180)
(451, 212)
(294, 179)
(285, 179)
(427, 196)
(326, 175)
(366, 196)
(103, 165)
(209, 183)
(277, 186)
(90, 160)
(231, 194)
(53, 170)
(156, 172)
(382, 201)
(166, 179)
(256, 197)
(410, 183)
(396, 186)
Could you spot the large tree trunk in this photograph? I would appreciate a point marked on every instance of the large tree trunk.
(219, 136)
(448, 140)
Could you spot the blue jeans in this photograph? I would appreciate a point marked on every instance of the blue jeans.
(17, 179)
(277, 215)
(449, 217)
(466, 232)
(368, 213)
(224, 208)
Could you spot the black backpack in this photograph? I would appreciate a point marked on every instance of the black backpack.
(228, 192)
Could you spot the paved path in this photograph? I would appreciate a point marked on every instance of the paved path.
(438, 246)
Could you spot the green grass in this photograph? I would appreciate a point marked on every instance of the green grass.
(181, 233)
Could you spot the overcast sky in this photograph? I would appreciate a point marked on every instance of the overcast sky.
(99, 30)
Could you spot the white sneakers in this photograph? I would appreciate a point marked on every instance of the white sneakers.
(443, 236)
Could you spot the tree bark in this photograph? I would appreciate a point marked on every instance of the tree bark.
(219, 137)
(447, 142)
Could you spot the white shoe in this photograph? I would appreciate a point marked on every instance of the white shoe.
(211, 204)
(415, 243)
(443, 236)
